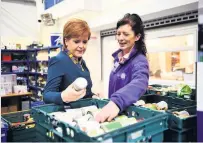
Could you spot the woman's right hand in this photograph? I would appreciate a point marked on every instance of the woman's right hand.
(70, 94)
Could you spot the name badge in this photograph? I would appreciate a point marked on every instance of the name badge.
(123, 75)
(116, 65)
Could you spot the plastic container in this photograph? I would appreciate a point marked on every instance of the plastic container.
(189, 135)
(18, 129)
(177, 123)
(173, 103)
(157, 89)
(4, 129)
(37, 103)
(151, 128)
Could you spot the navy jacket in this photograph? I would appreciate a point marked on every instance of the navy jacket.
(62, 71)
(128, 81)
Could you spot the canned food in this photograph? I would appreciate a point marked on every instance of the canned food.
(95, 132)
(84, 119)
(162, 105)
(120, 118)
(128, 121)
(89, 126)
(26, 117)
(87, 109)
(111, 126)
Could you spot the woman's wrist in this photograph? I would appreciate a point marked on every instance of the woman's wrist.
(63, 96)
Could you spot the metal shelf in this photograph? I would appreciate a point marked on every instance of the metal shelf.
(38, 61)
(14, 73)
(44, 48)
(12, 62)
(14, 50)
(37, 73)
(35, 87)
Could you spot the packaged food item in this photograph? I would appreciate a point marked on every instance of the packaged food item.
(87, 109)
(80, 84)
(111, 126)
(181, 114)
(152, 106)
(120, 118)
(162, 105)
(128, 121)
(89, 126)
(139, 103)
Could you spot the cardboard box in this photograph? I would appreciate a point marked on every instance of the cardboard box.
(20, 89)
(4, 110)
(12, 108)
(6, 88)
(10, 105)
(9, 78)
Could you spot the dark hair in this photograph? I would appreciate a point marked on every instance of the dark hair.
(136, 23)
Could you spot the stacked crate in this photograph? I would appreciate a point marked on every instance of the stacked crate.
(149, 129)
(179, 130)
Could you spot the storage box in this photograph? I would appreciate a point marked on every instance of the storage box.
(4, 110)
(6, 57)
(149, 129)
(9, 78)
(177, 123)
(37, 103)
(173, 102)
(19, 130)
(20, 89)
(7, 88)
(180, 130)
(189, 135)
(4, 129)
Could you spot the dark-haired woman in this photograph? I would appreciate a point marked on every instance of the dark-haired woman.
(130, 74)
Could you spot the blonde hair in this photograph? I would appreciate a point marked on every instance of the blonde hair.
(75, 28)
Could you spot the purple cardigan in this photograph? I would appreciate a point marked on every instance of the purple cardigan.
(128, 81)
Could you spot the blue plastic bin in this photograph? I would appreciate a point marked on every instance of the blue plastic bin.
(4, 129)
(37, 103)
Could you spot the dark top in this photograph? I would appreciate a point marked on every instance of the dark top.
(62, 71)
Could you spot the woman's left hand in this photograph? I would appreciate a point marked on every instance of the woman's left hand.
(108, 112)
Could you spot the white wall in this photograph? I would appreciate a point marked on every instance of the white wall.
(18, 20)
(110, 16)
(112, 11)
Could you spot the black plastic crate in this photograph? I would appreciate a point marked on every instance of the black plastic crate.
(173, 103)
(192, 96)
(156, 89)
(175, 122)
(23, 132)
(149, 129)
(45, 135)
(189, 135)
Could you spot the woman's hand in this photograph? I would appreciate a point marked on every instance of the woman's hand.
(108, 112)
(70, 94)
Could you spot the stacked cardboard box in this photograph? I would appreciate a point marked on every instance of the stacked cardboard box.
(7, 83)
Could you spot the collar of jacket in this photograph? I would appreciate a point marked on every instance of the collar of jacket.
(75, 60)
(132, 54)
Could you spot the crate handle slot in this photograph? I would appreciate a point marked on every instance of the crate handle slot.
(174, 122)
(67, 130)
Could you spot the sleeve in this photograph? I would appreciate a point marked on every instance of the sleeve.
(51, 92)
(131, 92)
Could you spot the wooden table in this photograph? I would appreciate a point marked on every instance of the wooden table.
(17, 98)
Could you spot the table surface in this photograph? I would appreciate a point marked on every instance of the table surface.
(17, 94)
